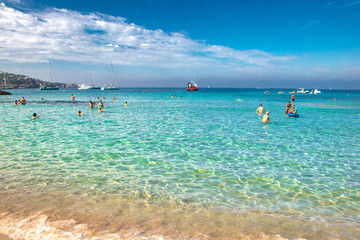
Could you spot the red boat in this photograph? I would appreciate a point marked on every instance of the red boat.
(192, 87)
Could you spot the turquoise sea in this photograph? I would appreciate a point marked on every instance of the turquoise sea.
(200, 165)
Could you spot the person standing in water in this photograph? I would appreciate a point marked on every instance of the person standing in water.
(260, 109)
(125, 104)
(101, 105)
(287, 107)
(91, 104)
(100, 109)
(23, 101)
(293, 98)
(266, 117)
(80, 113)
(72, 97)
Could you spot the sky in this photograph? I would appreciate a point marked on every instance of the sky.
(162, 43)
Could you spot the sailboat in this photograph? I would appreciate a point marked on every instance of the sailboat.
(48, 87)
(110, 87)
(5, 86)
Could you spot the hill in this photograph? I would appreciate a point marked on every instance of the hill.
(22, 81)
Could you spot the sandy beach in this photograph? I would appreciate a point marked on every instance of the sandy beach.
(4, 237)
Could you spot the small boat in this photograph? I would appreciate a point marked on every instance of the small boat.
(192, 87)
(48, 88)
(295, 115)
(302, 90)
(315, 91)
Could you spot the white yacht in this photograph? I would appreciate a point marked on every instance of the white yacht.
(87, 87)
(315, 91)
(302, 90)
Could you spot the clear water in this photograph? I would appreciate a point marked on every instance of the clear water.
(201, 166)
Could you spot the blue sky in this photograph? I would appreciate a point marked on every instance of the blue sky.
(161, 43)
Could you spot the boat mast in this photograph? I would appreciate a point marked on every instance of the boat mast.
(112, 79)
(5, 79)
(50, 69)
(94, 78)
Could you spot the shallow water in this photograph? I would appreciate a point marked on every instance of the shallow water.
(202, 166)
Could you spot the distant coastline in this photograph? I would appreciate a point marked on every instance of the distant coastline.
(15, 81)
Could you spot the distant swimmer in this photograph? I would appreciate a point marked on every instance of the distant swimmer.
(23, 101)
(287, 107)
(91, 104)
(293, 98)
(125, 104)
(72, 97)
(172, 96)
(260, 109)
(100, 109)
(113, 98)
(35, 116)
(98, 98)
(266, 117)
(42, 99)
(15, 103)
(80, 113)
(101, 105)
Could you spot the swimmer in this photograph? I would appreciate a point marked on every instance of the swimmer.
(42, 99)
(15, 103)
(80, 113)
(23, 101)
(172, 96)
(35, 116)
(113, 98)
(72, 97)
(287, 107)
(91, 104)
(125, 104)
(266, 117)
(100, 109)
(293, 98)
(260, 110)
(98, 98)
(101, 105)
(287, 110)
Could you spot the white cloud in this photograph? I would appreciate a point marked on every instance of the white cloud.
(95, 38)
